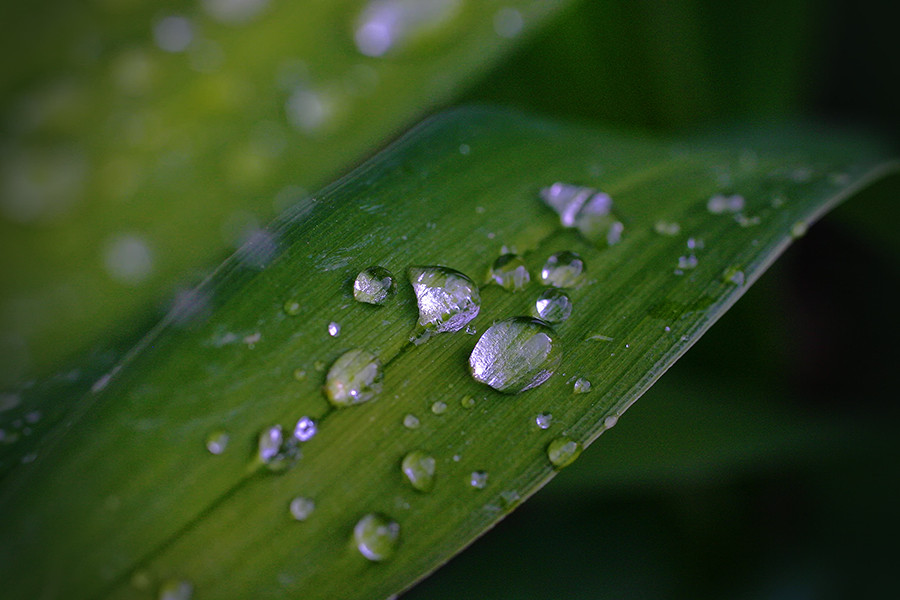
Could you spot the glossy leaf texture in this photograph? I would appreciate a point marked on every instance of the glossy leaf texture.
(124, 497)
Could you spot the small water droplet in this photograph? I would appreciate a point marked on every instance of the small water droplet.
(544, 420)
(176, 589)
(687, 262)
(276, 452)
(515, 355)
(567, 200)
(471, 330)
(733, 275)
(563, 451)
(553, 306)
(695, 243)
(252, 339)
(610, 421)
(334, 329)
(614, 234)
(305, 429)
(373, 285)
(354, 378)
(439, 407)
(720, 203)
(418, 468)
(467, 402)
(299, 374)
(301, 508)
(667, 228)
(599, 337)
(447, 299)
(217, 442)
(478, 479)
(798, 229)
(563, 269)
(292, 308)
(510, 272)
(376, 536)
(582, 386)
(411, 421)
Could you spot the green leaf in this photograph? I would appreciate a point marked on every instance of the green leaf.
(129, 169)
(128, 487)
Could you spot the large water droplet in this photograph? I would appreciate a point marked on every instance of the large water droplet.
(553, 306)
(373, 285)
(510, 272)
(419, 470)
(353, 378)
(563, 269)
(447, 299)
(176, 589)
(385, 25)
(515, 355)
(301, 508)
(563, 451)
(376, 536)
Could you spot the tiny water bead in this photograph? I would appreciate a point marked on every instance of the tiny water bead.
(510, 272)
(176, 589)
(373, 285)
(411, 421)
(305, 429)
(354, 378)
(376, 536)
(447, 299)
(733, 275)
(301, 508)
(276, 452)
(544, 420)
(553, 306)
(439, 407)
(418, 467)
(467, 402)
(562, 270)
(515, 355)
(563, 451)
(292, 308)
(582, 386)
(217, 442)
(478, 479)
(334, 329)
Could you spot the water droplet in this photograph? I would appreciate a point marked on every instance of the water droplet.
(305, 429)
(478, 479)
(301, 508)
(276, 452)
(567, 200)
(386, 25)
(292, 308)
(376, 536)
(733, 275)
(610, 421)
(419, 470)
(373, 285)
(798, 229)
(176, 589)
(563, 269)
(563, 451)
(353, 378)
(510, 272)
(334, 329)
(614, 234)
(720, 203)
(687, 262)
(128, 259)
(467, 402)
(411, 421)
(439, 407)
(508, 22)
(515, 355)
(447, 299)
(695, 243)
(173, 33)
(553, 306)
(667, 228)
(299, 374)
(544, 420)
(582, 386)
(217, 442)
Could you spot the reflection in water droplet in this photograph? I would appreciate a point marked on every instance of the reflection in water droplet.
(419, 470)
(411, 421)
(563, 269)
(373, 285)
(305, 429)
(354, 378)
(385, 25)
(515, 355)
(544, 420)
(478, 479)
(217, 442)
(447, 299)
(667, 228)
(176, 589)
(563, 451)
(553, 306)
(334, 329)
(376, 536)
(439, 407)
(301, 508)
(510, 272)
(582, 386)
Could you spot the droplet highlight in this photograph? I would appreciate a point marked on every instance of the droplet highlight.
(515, 355)
(562, 270)
(376, 536)
(553, 306)
(418, 467)
(354, 378)
(373, 285)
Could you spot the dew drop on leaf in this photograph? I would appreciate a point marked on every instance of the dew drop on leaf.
(418, 467)
(376, 536)
(510, 272)
(373, 285)
(447, 299)
(276, 452)
(354, 378)
(582, 386)
(563, 451)
(553, 306)
(439, 407)
(478, 479)
(334, 329)
(217, 442)
(301, 508)
(411, 421)
(544, 420)
(515, 355)
(305, 429)
(563, 270)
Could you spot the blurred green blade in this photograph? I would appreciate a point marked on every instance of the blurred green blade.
(125, 495)
(142, 143)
